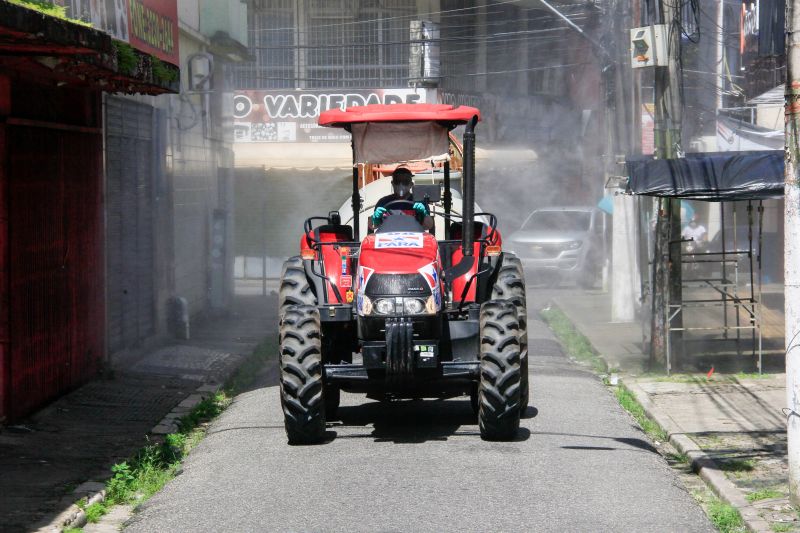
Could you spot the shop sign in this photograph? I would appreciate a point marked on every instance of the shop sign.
(148, 25)
(291, 116)
(153, 28)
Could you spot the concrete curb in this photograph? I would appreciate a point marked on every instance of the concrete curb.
(94, 492)
(701, 462)
(74, 516)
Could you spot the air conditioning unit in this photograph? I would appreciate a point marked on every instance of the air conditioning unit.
(649, 46)
(201, 72)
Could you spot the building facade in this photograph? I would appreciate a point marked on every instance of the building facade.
(168, 169)
(522, 67)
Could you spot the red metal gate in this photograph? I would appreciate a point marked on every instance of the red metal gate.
(55, 260)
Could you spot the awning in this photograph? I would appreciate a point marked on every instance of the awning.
(442, 113)
(305, 156)
(722, 176)
(331, 156)
(32, 43)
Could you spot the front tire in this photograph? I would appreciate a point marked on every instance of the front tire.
(500, 373)
(510, 286)
(301, 375)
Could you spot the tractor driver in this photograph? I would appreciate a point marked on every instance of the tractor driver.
(402, 185)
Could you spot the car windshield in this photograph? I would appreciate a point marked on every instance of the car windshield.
(559, 221)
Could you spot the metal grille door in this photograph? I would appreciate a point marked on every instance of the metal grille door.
(56, 271)
(129, 221)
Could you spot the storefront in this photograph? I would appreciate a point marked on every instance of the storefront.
(52, 258)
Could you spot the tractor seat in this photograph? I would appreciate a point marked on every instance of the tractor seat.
(333, 232)
(480, 230)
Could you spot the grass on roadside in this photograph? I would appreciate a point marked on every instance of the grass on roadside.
(146, 472)
(628, 402)
(781, 528)
(580, 348)
(764, 494)
(726, 518)
(574, 343)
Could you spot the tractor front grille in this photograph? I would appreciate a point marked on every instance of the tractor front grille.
(399, 348)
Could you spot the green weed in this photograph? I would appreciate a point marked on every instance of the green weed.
(95, 511)
(781, 528)
(127, 61)
(751, 375)
(206, 410)
(161, 71)
(574, 342)
(73, 530)
(725, 517)
(764, 494)
(137, 479)
(677, 457)
(628, 402)
(50, 9)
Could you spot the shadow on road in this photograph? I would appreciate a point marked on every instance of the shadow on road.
(638, 444)
(413, 421)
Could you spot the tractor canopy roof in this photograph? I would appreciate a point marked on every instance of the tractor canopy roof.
(444, 114)
(394, 133)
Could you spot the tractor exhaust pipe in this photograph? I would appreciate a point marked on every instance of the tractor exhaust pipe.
(468, 198)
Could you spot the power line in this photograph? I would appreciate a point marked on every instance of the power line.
(399, 17)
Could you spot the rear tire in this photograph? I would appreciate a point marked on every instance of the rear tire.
(301, 375)
(500, 373)
(510, 286)
(294, 289)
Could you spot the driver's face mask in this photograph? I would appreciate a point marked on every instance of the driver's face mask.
(402, 189)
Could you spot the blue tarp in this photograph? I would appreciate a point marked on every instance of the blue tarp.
(717, 176)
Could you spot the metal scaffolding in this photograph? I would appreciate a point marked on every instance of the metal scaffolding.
(729, 280)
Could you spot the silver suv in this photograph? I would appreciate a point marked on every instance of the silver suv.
(561, 243)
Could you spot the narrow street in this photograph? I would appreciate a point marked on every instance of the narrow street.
(580, 464)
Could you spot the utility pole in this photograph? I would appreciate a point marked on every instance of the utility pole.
(667, 283)
(791, 245)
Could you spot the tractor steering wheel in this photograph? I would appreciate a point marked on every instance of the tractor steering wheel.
(408, 203)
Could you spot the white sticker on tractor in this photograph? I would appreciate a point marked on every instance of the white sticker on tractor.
(429, 273)
(399, 239)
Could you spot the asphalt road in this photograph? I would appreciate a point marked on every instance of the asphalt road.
(580, 464)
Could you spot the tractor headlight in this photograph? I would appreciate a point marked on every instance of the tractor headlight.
(413, 306)
(430, 305)
(366, 306)
(399, 306)
(384, 306)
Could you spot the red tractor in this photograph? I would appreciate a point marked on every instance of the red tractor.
(401, 314)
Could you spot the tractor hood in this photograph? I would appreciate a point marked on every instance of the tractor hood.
(398, 252)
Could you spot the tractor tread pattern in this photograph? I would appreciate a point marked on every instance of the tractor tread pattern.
(499, 390)
(294, 288)
(301, 382)
(510, 286)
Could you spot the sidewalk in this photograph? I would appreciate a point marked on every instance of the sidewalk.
(730, 426)
(78, 437)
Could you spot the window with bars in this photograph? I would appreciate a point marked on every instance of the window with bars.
(329, 43)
